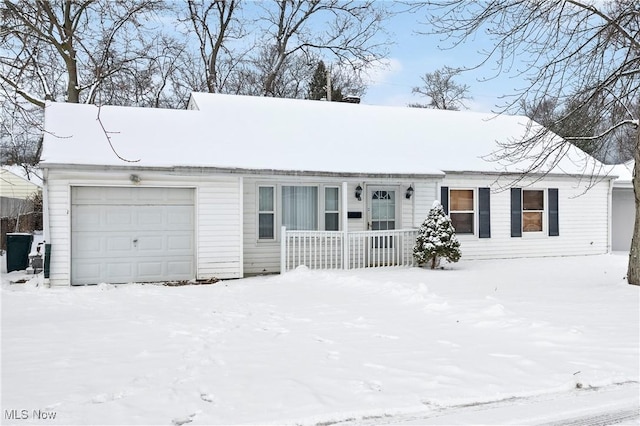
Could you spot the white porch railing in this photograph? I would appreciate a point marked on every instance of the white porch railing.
(346, 250)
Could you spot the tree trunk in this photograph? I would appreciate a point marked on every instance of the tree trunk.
(434, 262)
(633, 273)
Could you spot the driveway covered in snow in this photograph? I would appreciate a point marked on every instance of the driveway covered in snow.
(318, 346)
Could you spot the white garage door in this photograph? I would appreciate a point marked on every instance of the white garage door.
(121, 235)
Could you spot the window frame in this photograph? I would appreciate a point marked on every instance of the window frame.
(543, 213)
(272, 212)
(278, 206)
(326, 211)
(474, 212)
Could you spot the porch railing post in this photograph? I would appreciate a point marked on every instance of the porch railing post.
(283, 250)
(345, 227)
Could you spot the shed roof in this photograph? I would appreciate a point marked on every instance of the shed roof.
(259, 133)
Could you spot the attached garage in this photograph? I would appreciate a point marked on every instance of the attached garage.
(132, 234)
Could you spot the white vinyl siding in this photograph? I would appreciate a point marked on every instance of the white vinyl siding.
(260, 256)
(426, 192)
(580, 233)
(219, 228)
(218, 207)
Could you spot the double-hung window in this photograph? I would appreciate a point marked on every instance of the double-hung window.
(532, 210)
(461, 210)
(266, 213)
(331, 209)
(468, 209)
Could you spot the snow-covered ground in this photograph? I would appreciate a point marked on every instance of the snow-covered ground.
(321, 346)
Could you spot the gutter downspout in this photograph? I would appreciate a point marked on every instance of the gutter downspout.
(610, 217)
(45, 214)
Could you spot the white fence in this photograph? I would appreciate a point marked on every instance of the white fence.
(346, 250)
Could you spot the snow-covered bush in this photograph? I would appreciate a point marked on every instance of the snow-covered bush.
(436, 239)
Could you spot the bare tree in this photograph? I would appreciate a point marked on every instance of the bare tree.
(442, 90)
(19, 130)
(583, 118)
(349, 31)
(290, 81)
(90, 51)
(66, 50)
(570, 49)
(214, 25)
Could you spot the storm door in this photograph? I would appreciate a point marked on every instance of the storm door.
(382, 217)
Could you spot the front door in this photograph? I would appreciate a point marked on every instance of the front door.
(382, 217)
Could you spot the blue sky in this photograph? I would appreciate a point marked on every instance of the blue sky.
(413, 55)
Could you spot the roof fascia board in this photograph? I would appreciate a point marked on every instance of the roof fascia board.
(194, 170)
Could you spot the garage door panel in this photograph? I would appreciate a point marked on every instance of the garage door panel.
(118, 272)
(151, 243)
(150, 270)
(179, 243)
(132, 196)
(86, 271)
(149, 217)
(132, 234)
(91, 246)
(86, 218)
(180, 217)
(180, 267)
(87, 195)
(119, 217)
(122, 245)
(87, 247)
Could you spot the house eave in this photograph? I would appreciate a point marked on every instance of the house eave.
(510, 173)
(200, 170)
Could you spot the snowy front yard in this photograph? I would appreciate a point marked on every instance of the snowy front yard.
(316, 346)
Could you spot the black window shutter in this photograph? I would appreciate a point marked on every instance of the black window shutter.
(516, 212)
(554, 228)
(444, 198)
(484, 213)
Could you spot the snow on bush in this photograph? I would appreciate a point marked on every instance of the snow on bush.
(436, 239)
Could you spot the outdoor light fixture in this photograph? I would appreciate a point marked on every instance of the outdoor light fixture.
(409, 192)
(134, 179)
(359, 193)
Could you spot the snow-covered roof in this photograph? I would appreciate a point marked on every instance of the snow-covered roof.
(624, 173)
(259, 133)
(32, 176)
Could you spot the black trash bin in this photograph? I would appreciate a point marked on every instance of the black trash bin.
(18, 249)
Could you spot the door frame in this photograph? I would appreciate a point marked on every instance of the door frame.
(375, 254)
(398, 203)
